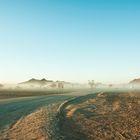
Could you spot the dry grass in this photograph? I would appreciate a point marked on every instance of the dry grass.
(13, 93)
(107, 117)
(34, 126)
(31, 127)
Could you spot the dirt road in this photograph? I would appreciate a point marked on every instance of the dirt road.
(14, 109)
(24, 112)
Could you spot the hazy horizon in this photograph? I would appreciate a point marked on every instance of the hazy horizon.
(70, 40)
(12, 81)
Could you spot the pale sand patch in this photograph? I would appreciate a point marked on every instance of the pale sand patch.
(139, 102)
(116, 106)
(71, 112)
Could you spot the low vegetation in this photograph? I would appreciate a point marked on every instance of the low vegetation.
(108, 116)
(13, 93)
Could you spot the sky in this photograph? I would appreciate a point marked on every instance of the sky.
(72, 40)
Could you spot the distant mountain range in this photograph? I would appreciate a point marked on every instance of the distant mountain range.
(42, 82)
(36, 82)
(135, 81)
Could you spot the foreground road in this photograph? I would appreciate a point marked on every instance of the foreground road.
(31, 117)
(13, 109)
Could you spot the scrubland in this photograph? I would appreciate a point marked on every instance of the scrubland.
(108, 116)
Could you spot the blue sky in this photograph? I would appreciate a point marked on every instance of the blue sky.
(74, 40)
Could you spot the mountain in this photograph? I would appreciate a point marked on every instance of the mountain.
(33, 81)
(135, 81)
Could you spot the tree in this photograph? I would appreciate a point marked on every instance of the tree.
(91, 83)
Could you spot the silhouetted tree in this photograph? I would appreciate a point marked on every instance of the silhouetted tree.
(91, 83)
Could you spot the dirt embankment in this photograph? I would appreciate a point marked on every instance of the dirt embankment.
(35, 126)
(108, 116)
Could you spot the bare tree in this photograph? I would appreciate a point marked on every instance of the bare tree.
(91, 83)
